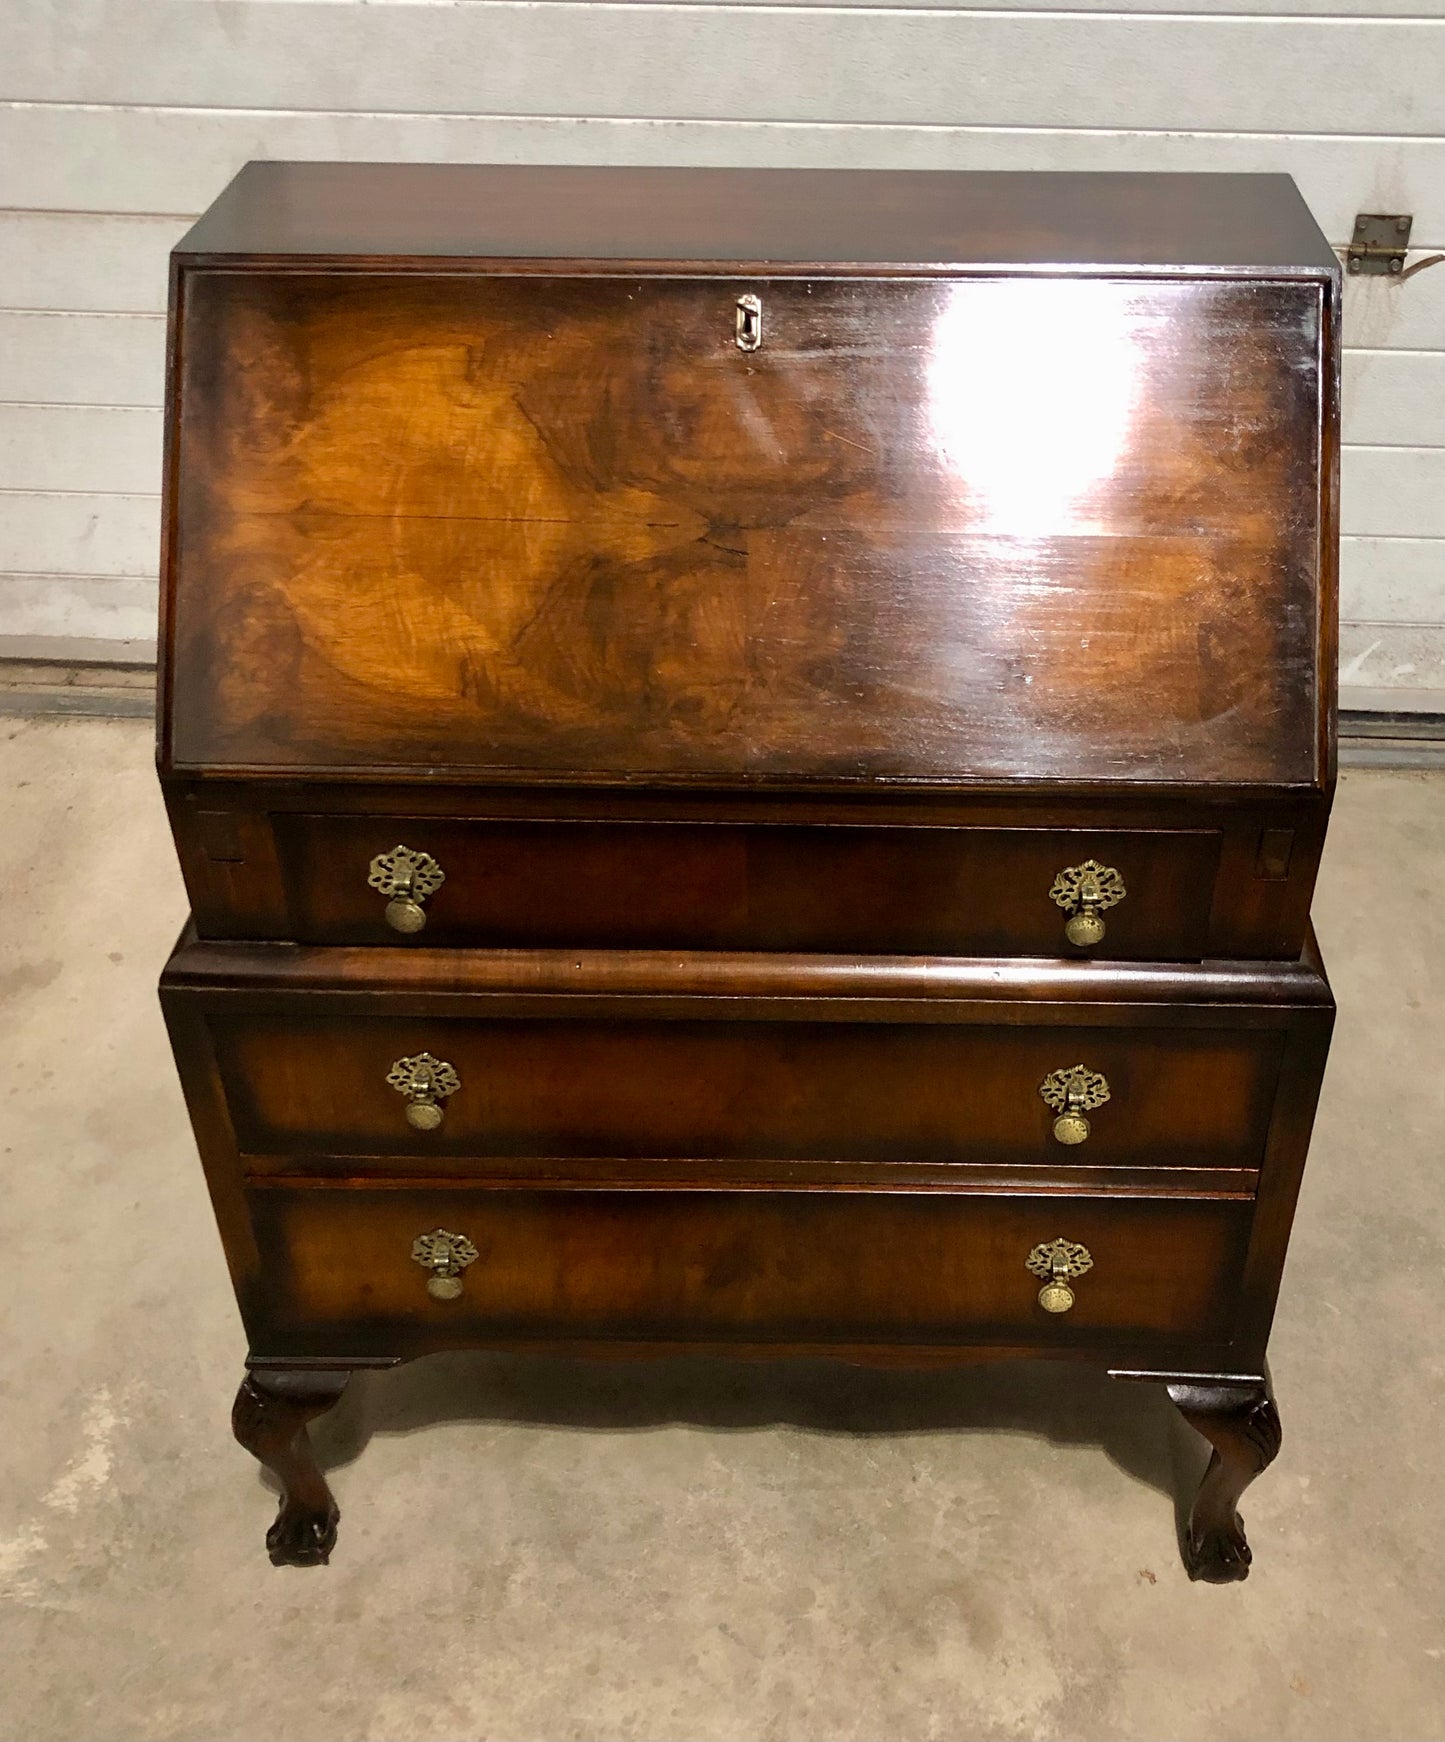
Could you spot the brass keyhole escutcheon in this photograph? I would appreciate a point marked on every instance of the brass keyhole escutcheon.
(426, 1082)
(749, 322)
(408, 877)
(1058, 1262)
(445, 1256)
(1072, 1094)
(1086, 892)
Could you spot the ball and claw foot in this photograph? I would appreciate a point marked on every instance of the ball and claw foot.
(1242, 1424)
(1220, 1556)
(302, 1537)
(269, 1419)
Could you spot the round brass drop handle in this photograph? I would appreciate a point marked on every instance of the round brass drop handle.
(1058, 1262)
(1073, 1093)
(407, 878)
(1086, 892)
(444, 1256)
(425, 1081)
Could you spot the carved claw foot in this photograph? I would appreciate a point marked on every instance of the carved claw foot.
(301, 1537)
(1242, 1424)
(269, 1419)
(1220, 1557)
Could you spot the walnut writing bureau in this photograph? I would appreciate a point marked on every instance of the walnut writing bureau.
(749, 752)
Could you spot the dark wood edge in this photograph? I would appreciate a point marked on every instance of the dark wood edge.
(1193, 834)
(567, 266)
(1169, 809)
(1328, 563)
(170, 496)
(1302, 1071)
(216, 1140)
(321, 1002)
(480, 774)
(1035, 985)
(268, 1354)
(804, 1178)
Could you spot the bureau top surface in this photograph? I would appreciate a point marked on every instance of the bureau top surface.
(777, 217)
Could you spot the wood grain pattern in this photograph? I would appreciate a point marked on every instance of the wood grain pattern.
(269, 1418)
(1241, 1424)
(772, 1266)
(618, 1087)
(930, 531)
(971, 880)
(921, 891)
(586, 215)
(738, 986)
(751, 702)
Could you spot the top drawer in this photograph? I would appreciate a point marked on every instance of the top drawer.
(959, 529)
(317, 863)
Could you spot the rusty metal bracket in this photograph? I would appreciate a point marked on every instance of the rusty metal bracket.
(1379, 243)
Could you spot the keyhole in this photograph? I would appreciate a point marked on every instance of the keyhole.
(749, 322)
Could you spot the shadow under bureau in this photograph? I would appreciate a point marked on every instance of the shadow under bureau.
(749, 751)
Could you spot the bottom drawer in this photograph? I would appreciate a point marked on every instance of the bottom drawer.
(338, 1273)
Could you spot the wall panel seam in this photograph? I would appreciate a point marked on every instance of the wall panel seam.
(530, 118)
(115, 495)
(762, 8)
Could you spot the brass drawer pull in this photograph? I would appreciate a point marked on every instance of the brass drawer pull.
(1073, 1093)
(1085, 892)
(1058, 1263)
(407, 877)
(426, 1082)
(446, 1256)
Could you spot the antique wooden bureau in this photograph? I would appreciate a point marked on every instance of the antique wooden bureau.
(749, 752)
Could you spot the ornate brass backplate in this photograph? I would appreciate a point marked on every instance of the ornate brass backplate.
(1058, 1262)
(1072, 1093)
(1085, 892)
(446, 1256)
(425, 1081)
(408, 877)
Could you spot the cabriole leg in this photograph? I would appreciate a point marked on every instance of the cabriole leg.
(1242, 1424)
(269, 1419)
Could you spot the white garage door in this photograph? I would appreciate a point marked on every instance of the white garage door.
(127, 116)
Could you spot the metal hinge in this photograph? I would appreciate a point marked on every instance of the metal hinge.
(1379, 243)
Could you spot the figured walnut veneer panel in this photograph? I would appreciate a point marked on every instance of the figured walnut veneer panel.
(933, 529)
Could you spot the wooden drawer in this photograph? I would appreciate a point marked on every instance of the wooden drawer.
(742, 1266)
(618, 1096)
(945, 891)
(942, 874)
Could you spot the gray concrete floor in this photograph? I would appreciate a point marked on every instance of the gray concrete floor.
(542, 1549)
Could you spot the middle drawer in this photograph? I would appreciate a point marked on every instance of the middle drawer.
(677, 1099)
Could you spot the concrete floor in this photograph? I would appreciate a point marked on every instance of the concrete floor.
(541, 1549)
